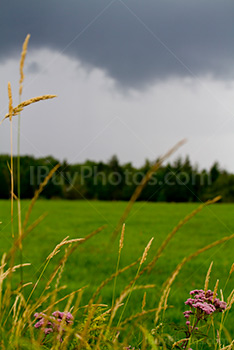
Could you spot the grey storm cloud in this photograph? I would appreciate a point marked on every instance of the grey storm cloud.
(135, 41)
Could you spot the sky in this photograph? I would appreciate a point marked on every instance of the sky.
(133, 77)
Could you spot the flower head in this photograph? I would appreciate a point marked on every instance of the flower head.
(203, 304)
(50, 324)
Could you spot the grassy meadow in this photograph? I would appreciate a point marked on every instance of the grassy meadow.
(55, 301)
(96, 259)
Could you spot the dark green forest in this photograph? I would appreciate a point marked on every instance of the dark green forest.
(179, 181)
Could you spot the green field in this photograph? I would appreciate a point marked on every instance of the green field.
(95, 260)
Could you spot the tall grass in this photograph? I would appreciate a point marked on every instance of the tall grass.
(28, 321)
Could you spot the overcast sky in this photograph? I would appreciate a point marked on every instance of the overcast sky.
(133, 77)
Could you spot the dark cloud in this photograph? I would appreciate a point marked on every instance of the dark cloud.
(134, 41)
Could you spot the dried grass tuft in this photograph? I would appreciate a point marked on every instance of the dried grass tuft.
(230, 300)
(10, 270)
(16, 110)
(232, 269)
(121, 241)
(11, 111)
(64, 242)
(208, 277)
(23, 55)
(215, 290)
(147, 248)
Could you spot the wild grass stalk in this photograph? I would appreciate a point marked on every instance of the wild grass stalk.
(230, 301)
(16, 110)
(208, 277)
(11, 166)
(23, 55)
(121, 241)
(229, 276)
(143, 258)
(56, 250)
(141, 186)
(215, 290)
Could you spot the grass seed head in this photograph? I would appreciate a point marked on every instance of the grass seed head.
(147, 248)
(121, 238)
(208, 277)
(232, 269)
(10, 101)
(215, 290)
(58, 246)
(23, 55)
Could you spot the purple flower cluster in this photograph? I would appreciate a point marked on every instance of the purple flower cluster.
(43, 322)
(51, 324)
(203, 303)
(63, 315)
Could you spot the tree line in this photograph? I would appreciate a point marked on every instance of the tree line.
(179, 181)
